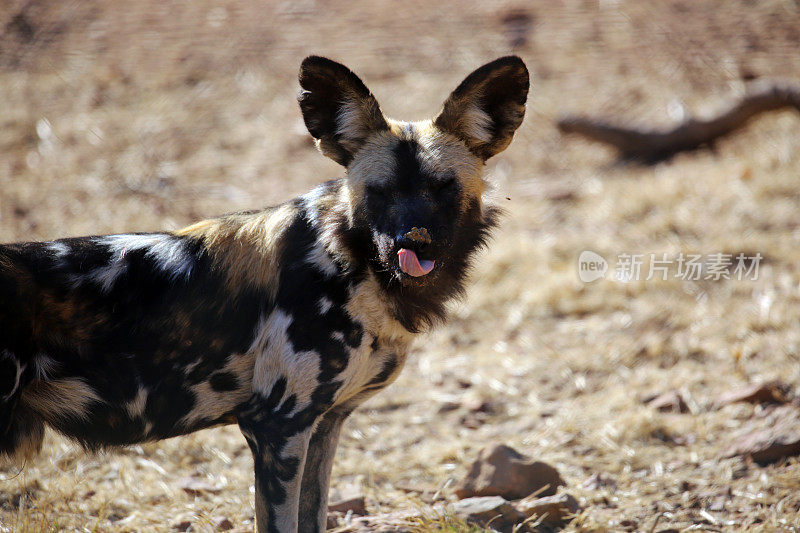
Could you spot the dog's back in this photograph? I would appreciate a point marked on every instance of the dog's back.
(120, 339)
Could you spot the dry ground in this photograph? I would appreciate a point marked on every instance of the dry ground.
(146, 115)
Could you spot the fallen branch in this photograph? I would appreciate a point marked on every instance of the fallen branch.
(651, 146)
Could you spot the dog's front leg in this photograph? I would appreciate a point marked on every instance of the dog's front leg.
(279, 455)
(317, 472)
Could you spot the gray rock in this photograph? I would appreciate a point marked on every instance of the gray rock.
(770, 439)
(355, 504)
(502, 471)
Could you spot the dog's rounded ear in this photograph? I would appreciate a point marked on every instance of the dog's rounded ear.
(489, 105)
(338, 109)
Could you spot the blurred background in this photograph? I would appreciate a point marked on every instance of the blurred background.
(148, 115)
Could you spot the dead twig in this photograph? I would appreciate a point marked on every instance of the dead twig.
(651, 146)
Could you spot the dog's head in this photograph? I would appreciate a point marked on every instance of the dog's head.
(414, 188)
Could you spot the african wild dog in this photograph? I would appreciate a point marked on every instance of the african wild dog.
(281, 320)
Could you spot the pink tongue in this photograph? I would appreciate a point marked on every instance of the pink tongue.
(411, 265)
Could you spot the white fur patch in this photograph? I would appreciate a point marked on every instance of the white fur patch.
(324, 305)
(59, 250)
(104, 276)
(170, 254)
(276, 359)
(320, 258)
(61, 398)
(188, 369)
(135, 407)
(211, 404)
(208, 404)
(310, 200)
(44, 366)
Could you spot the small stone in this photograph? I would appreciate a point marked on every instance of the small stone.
(446, 407)
(195, 487)
(768, 392)
(223, 524)
(502, 471)
(669, 402)
(771, 439)
(550, 509)
(488, 510)
(355, 504)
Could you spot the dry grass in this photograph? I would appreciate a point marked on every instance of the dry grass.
(151, 115)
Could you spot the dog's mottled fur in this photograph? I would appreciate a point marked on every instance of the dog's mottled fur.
(281, 320)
